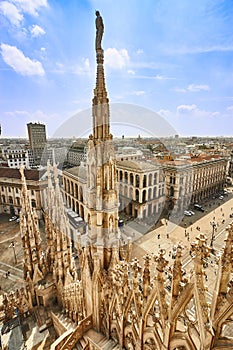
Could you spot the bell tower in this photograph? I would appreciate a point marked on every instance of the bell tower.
(101, 167)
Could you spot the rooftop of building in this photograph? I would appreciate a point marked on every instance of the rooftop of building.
(30, 174)
(78, 171)
(188, 159)
(137, 165)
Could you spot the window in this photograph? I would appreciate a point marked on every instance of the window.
(33, 202)
(144, 196)
(150, 180)
(144, 181)
(154, 192)
(121, 175)
(172, 191)
(137, 195)
(131, 179)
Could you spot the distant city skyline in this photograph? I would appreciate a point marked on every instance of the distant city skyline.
(172, 58)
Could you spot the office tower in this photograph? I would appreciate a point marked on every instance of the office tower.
(37, 138)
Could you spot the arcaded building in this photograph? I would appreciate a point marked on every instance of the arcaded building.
(149, 188)
(193, 180)
(75, 189)
(141, 186)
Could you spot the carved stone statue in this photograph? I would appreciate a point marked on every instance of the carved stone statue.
(99, 31)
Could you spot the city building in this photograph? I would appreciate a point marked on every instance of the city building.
(76, 154)
(192, 180)
(16, 156)
(10, 189)
(230, 169)
(54, 154)
(128, 153)
(141, 186)
(37, 139)
(75, 189)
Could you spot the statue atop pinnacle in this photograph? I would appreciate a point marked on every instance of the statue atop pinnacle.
(99, 31)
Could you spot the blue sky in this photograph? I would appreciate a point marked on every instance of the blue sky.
(174, 58)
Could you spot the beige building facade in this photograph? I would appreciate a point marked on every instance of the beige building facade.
(193, 180)
(141, 188)
(10, 189)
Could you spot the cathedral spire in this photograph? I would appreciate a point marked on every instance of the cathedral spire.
(101, 165)
(59, 255)
(100, 106)
(31, 240)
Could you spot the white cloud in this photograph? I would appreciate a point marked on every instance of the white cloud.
(215, 114)
(36, 30)
(161, 77)
(139, 93)
(186, 108)
(116, 58)
(30, 6)
(11, 12)
(195, 87)
(84, 68)
(139, 51)
(230, 109)
(19, 62)
(177, 89)
(86, 63)
(164, 112)
(193, 111)
(60, 65)
(130, 71)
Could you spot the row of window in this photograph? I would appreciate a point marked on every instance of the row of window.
(141, 196)
(197, 177)
(17, 200)
(134, 179)
(17, 190)
(73, 189)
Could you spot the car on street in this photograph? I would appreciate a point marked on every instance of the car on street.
(199, 207)
(221, 197)
(191, 212)
(13, 218)
(120, 223)
(187, 213)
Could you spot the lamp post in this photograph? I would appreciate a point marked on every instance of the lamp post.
(12, 245)
(20, 325)
(212, 236)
